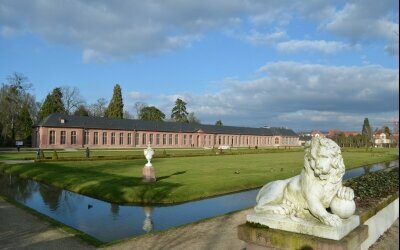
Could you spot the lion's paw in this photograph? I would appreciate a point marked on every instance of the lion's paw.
(332, 220)
(345, 193)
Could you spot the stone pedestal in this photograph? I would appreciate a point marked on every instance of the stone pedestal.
(266, 238)
(309, 225)
(149, 174)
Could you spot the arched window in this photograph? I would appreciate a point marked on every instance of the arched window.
(276, 140)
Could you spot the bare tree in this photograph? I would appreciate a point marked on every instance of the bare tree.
(128, 115)
(13, 96)
(192, 118)
(138, 107)
(99, 108)
(71, 98)
(19, 81)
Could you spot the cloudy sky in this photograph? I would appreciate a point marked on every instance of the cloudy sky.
(304, 65)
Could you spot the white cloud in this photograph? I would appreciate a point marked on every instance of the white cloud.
(124, 29)
(298, 95)
(138, 96)
(323, 46)
(365, 21)
(120, 30)
(257, 38)
(311, 119)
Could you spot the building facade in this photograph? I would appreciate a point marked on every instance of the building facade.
(381, 140)
(59, 131)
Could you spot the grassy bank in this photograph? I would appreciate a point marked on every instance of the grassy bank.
(137, 153)
(178, 179)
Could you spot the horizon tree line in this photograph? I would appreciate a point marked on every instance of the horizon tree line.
(19, 108)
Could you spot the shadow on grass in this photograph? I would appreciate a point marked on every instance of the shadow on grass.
(105, 186)
(167, 176)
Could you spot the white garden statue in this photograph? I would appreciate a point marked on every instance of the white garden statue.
(318, 187)
(149, 174)
(148, 153)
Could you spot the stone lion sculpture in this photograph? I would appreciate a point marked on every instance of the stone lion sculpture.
(318, 187)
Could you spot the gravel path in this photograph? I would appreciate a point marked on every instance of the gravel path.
(20, 229)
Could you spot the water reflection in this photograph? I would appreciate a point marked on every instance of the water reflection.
(369, 168)
(114, 210)
(50, 195)
(148, 223)
(21, 190)
(107, 221)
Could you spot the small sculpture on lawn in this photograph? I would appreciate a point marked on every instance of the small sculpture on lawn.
(318, 187)
(148, 170)
(87, 152)
(148, 153)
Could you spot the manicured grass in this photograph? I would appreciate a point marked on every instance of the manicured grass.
(132, 153)
(178, 179)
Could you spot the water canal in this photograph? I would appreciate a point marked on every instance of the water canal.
(106, 221)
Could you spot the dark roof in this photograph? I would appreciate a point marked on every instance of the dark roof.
(54, 120)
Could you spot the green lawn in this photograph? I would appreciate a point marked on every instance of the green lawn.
(135, 153)
(178, 179)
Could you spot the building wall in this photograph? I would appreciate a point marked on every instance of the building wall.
(381, 140)
(50, 138)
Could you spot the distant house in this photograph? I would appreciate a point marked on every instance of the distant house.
(381, 139)
(63, 131)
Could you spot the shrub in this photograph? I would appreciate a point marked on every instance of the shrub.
(55, 155)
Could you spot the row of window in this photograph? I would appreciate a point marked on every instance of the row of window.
(167, 139)
(288, 140)
(63, 137)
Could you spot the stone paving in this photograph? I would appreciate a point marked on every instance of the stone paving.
(19, 229)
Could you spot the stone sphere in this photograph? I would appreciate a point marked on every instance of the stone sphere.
(343, 208)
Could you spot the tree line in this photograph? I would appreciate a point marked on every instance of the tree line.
(19, 109)
(365, 139)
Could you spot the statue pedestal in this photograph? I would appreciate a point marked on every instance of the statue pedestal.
(149, 174)
(258, 238)
(310, 225)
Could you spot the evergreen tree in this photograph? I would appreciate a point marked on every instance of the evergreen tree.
(366, 132)
(25, 123)
(386, 130)
(218, 123)
(81, 111)
(52, 104)
(151, 114)
(179, 113)
(116, 107)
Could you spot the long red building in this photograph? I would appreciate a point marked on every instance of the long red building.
(63, 131)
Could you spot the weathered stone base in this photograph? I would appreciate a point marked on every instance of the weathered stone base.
(311, 226)
(266, 238)
(149, 174)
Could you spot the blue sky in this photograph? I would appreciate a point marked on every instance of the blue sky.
(303, 65)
